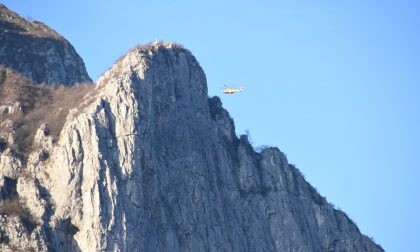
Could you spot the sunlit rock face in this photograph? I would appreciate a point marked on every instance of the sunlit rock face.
(147, 162)
(150, 163)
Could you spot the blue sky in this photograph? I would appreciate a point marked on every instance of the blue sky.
(333, 84)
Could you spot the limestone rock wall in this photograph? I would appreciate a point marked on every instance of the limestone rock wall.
(150, 163)
(146, 162)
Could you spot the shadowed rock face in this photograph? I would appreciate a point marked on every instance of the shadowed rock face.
(38, 52)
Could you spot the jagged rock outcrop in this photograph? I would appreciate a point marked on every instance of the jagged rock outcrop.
(15, 235)
(32, 53)
(38, 52)
(147, 162)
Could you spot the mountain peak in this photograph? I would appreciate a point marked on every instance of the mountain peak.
(11, 22)
(38, 52)
(166, 70)
(147, 162)
(137, 57)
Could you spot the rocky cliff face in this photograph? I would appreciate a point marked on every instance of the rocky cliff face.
(147, 162)
(38, 52)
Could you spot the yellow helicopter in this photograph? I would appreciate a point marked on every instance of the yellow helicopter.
(231, 90)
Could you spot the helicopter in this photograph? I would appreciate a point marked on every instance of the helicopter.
(231, 90)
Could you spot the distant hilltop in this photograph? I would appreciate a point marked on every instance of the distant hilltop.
(38, 52)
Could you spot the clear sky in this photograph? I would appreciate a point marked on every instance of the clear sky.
(334, 84)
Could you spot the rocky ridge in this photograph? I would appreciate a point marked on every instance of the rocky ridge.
(38, 52)
(147, 162)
